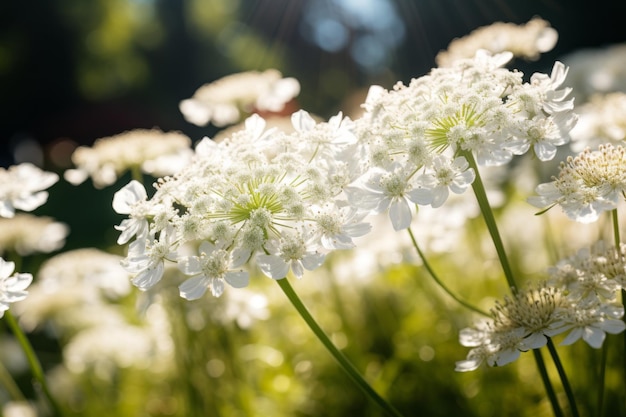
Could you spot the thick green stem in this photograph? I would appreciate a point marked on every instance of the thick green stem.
(490, 220)
(566, 386)
(556, 408)
(33, 362)
(439, 281)
(347, 366)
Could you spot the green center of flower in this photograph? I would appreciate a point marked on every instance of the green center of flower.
(448, 130)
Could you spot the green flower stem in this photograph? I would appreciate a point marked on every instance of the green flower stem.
(33, 362)
(566, 386)
(617, 238)
(556, 408)
(490, 220)
(135, 173)
(440, 282)
(347, 366)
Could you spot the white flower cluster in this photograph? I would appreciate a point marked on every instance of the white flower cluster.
(21, 188)
(415, 138)
(579, 298)
(266, 196)
(151, 151)
(222, 102)
(601, 120)
(527, 41)
(12, 285)
(26, 234)
(588, 184)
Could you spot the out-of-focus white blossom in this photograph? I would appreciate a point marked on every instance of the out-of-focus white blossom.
(526, 41)
(150, 151)
(19, 409)
(597, 71)
(12, 285)
(71, 285)
(21, 188)
(27, 234)
(229, 99)
(601, 120)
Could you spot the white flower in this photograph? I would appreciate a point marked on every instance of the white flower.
(446, 175)
(12, 286)
(131, 200)
(335, 227)
(21, 188)
(590, 321)
(587, 185)
(146, 258)
(601, 120)
(384, 191)
(291, 252)
(210, 269)
(27, 234)
(527, 41)
(222, 102)
(151, 151)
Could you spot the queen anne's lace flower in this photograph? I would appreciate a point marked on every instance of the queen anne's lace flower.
(12, 286)
(151, 151)
(415, 140)
(587, 185)
(578, 299)
(21, 188)
(26, 234)
(268, 198)
(526, 41)
(601, 120)
(222, 102)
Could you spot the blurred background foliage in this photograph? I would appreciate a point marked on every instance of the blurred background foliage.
(72, 71)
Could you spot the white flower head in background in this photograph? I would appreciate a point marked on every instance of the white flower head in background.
(12, 285)
(588, 184)
(71, 285)
(26, 234)
(229, 99)
(597, 71)
(526, 41)
(601, 120)
(151, 151)
(21, 188)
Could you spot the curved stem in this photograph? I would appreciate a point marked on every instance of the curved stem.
(33, 362)
(347, 366)
(556, 408)
(566, 386)
(440, 282)
(490, 220)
